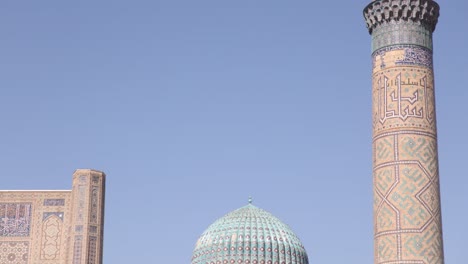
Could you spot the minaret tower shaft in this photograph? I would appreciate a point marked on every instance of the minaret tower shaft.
(407, 214)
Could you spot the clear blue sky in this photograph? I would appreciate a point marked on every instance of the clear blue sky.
(190, 107)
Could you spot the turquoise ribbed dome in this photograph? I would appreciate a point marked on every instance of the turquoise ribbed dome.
(249, 235)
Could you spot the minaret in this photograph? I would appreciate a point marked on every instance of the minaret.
(87, 222)
(407, 215)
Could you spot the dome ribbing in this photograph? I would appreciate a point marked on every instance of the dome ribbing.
(249, 235)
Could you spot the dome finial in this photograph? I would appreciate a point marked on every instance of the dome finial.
(250, 199)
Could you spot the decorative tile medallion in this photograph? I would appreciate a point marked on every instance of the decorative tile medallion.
(14, 252)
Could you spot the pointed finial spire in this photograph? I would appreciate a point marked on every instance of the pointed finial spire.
(250, 199)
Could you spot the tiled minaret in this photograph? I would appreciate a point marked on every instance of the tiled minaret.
(407, 215)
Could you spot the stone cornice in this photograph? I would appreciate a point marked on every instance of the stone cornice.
(424, 12)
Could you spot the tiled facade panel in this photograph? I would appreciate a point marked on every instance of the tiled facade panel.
(52, 229)
(15, 219)
(40, 227)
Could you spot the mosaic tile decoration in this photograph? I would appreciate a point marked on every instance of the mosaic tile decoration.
(96, 180)
(246, 236)
(48, 214)
(402, 33)
(77, 249)
(51, 236)
(15, 219)
(92, 250)
(81, 192)
(416, 56)
(94, 205)
(14, 252)
(93, 229)
(78, 228)
(54, 202)
(408, 55)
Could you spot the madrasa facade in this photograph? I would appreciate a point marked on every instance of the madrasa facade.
(407, 213)
(54, 226)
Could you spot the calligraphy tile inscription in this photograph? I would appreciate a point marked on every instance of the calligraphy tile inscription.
(15, 219)
(403, 90)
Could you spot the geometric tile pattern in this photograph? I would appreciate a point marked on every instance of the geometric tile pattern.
(94, 205)
(249, 235)
(92, 252)
(407, 214)
(14, 252)
(414, 33)
(51, 236)
(77, 249)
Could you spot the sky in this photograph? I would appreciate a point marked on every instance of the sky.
(190, 107)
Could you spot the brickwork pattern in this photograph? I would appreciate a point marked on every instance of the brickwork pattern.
(406, 178)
